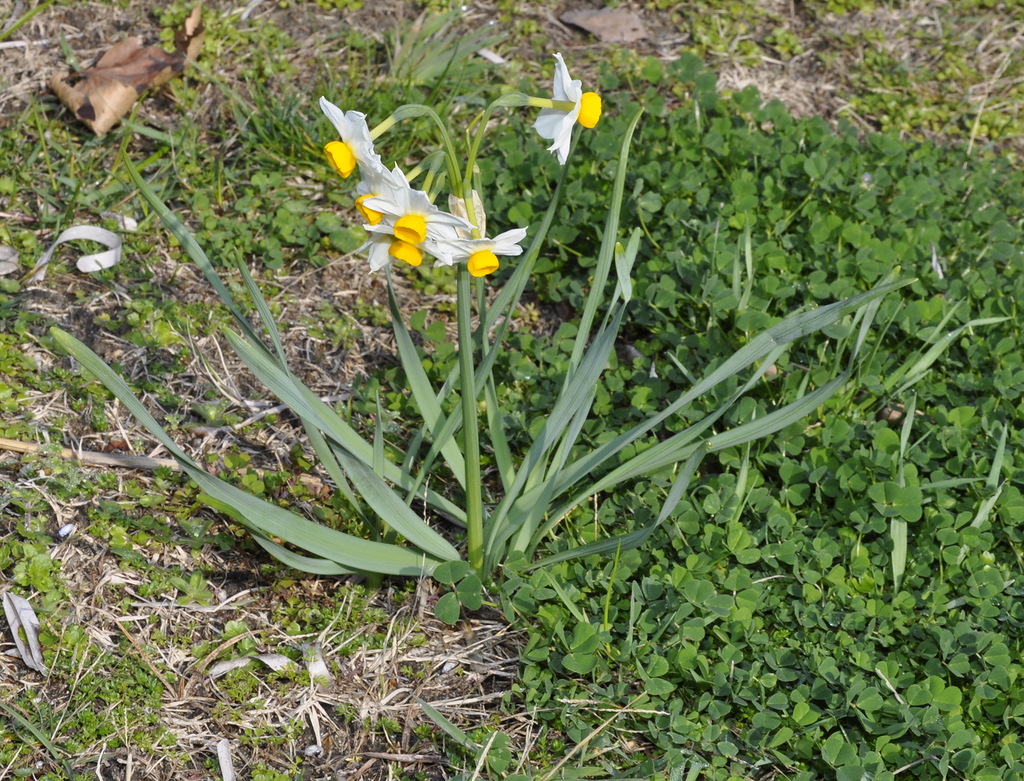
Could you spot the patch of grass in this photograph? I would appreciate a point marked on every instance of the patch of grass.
(959, 78)
(766, 624)
(764, 627)
(109, 700)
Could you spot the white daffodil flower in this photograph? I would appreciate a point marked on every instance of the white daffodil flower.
(355, 147)
(382, 248)
(379, 182)
(409, 222)
(555, 123)
(480, 255)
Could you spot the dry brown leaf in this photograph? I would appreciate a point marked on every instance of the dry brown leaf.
(611, 25)
(102, 93)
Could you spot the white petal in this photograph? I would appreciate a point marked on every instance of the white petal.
(444, 251)
(335, 114)
(561, 143)
(507, 243)
(549, 123)
(353, 130)
(382, 182)
(378, 254)
(447, 220)
(564, 86)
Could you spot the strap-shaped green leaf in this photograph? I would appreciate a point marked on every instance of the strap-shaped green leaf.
(271, 520)
(423, 394)
(757, 349)
(565, 406)
(393, 510)
(606, 255)
(639, 537)
(304, 403)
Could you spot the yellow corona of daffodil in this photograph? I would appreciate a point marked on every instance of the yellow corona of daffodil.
(355, 149)
(404, 223)
(481, 255)
(555, 123)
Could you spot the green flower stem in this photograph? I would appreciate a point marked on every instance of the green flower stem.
(507, 100)
(470, 429)
(561, 105)
(413, 110)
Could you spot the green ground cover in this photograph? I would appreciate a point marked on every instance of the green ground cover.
(842, 601)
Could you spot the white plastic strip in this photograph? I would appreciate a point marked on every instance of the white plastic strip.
(86, 263)
(24, 626)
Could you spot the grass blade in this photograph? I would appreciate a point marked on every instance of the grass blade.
(191, 247)
(422, 393)
(266, 518)
(304, 403)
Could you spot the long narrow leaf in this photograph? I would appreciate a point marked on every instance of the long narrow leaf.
(423, 394)
(583, 394)
(345, 549)
(624, 259)
(997, 461)
(589, 372)
(310, 564)
(499, 440)
(916, 368)
(440, 720)
(390, 507)
(329, 463)
(191, 247)
(780, 334)
(606, 255)
(269, 519)
(670, 452)
(304, 403)
(323, 452)
(777, 419)
(263, 310)
(898, 534)
(636, 538)
(589, 465)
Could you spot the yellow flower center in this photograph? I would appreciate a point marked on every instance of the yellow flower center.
(411, 228)
(371, 216)
(403, 250)
(482, 263)
(590, 109)
(341, 157)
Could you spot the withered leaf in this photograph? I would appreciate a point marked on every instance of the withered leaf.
(104, 92)
(611, 25)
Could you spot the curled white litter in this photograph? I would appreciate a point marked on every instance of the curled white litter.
(491, 56)
(313, 655)
(125, 223)
(227, 768)
(24, 625)
(86, 263)
(276, 662)
(8, 260)
(936, 263)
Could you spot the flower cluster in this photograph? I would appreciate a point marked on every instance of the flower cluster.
(404, 223)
